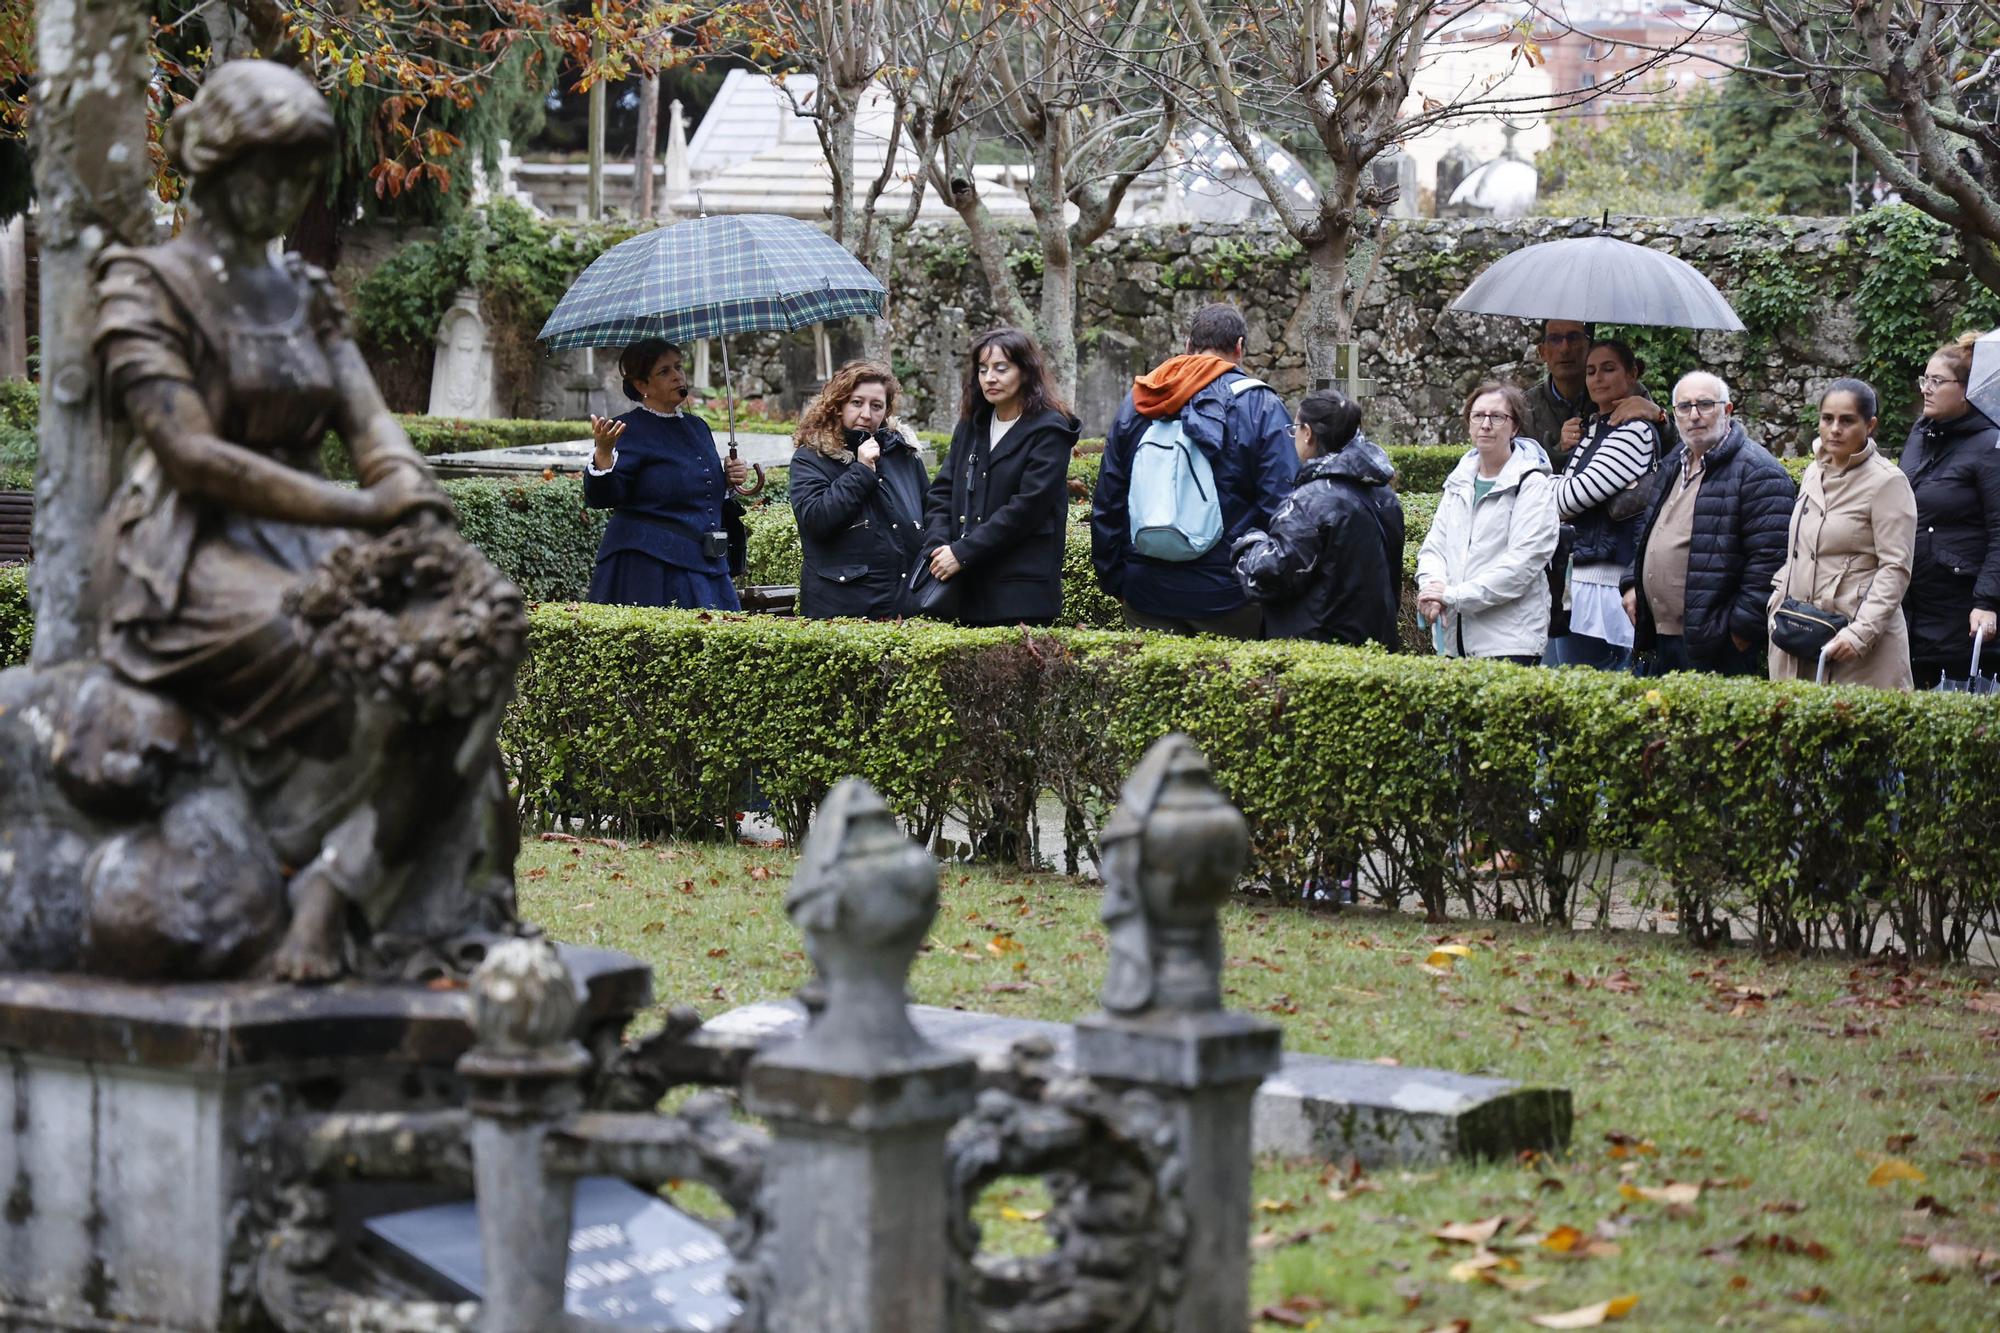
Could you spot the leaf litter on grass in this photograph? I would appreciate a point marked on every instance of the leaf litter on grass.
(1663, 1077)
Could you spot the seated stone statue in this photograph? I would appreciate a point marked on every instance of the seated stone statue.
(342, 655)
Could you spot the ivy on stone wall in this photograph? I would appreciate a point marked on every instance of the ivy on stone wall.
(1895, 306)
(520, 265)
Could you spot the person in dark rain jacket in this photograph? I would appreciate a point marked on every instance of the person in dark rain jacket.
(1952, 459)
(995, 511)
(1243, 430)
(656, 469)
(1331, 566)
(857, 491)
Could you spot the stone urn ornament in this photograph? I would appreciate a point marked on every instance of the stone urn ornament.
(1172, 851)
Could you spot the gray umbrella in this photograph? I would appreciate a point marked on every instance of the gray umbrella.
(1597, 279)
(1983, 389)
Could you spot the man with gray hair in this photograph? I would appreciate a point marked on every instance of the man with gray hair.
(1713, 539)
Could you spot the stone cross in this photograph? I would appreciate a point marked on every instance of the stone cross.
(1347, 376)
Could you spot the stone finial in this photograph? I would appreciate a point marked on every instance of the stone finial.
(1172, 852)
(864, 895)
(523, 999)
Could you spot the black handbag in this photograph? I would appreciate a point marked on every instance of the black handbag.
(925, 595)
(1802, 629)
(1799, 627)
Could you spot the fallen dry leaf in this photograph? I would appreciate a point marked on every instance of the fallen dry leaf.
(1273, 1240)
(1893, 1169)
(1809, 1295)
(1589, 1316)
(1455, 1326)
(1276, 1205)
(1562, 1240)
(1962, 1256)
(1001, 945)
(1446, 956)
(1471, 1233)
(1293, 1311)
(1023, 1214)
(1671, 1192)
(1483, 1266)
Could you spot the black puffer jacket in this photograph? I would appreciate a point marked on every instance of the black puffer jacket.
(1002, 511)
(1954, 468)
(859, 527)
(1741, 517)
(1331, 567)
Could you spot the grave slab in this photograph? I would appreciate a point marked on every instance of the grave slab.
(635, 1261)
(1313, 1106)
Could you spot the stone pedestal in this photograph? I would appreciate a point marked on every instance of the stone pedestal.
(857, 1188)
(1206, 1066)
(144, 1123)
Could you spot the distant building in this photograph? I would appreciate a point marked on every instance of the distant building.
(1589, 43)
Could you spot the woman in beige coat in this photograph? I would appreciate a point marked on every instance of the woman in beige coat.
(1849, 549)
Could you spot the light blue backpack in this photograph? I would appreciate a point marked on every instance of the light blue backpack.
(1175, 511)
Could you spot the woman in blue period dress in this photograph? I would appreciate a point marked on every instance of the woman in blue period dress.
(656, 469)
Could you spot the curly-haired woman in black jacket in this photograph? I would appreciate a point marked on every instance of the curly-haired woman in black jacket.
(858, 494)
(1331, 566)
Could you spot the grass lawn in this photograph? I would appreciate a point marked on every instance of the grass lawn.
(1831, 1131)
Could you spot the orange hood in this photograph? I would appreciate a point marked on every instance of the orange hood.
(1165, 389)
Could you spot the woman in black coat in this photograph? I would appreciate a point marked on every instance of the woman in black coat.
(857, 491)
(1952, 459)
(993, 520)
(1331, 567)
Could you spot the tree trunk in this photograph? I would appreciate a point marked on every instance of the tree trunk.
(1047, 195)
(990, 248)
(837, 137)
(1328, 322)
(645, 148)
(91, 177)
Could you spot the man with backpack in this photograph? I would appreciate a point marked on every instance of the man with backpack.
(1199, 454)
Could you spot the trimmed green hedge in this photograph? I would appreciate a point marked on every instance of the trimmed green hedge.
(1814, 816)
(1810, 816)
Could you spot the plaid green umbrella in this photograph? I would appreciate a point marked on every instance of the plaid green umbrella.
(712, 277)
(709, 278)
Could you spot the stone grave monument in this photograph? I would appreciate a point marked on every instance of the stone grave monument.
(462, 372)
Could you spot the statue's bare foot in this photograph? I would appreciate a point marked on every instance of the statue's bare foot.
(310, 951)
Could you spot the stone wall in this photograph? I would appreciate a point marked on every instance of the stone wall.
(1140, 287)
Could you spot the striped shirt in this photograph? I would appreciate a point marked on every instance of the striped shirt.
(1613, 465)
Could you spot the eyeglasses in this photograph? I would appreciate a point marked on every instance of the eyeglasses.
(1700, 407)
(1564, 339)
(1925, 383)
(1491, 418)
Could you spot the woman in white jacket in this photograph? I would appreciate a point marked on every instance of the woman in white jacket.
(1482, 575)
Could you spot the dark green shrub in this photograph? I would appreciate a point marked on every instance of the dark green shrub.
(1811, 816)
